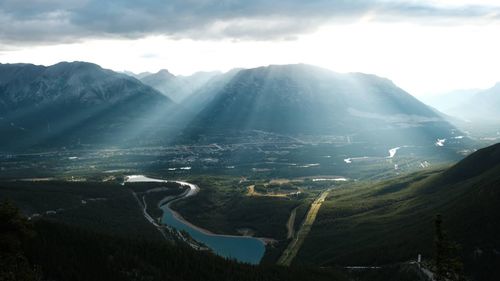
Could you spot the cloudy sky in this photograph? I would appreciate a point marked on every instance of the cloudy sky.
(426, 47)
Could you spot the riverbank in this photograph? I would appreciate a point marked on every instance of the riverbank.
(243, 248)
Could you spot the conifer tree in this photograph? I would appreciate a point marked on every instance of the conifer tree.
(447, 262)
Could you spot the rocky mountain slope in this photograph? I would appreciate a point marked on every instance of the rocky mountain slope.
(303, 99)
(70, 101)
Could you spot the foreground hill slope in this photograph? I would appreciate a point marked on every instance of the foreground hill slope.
(97, 231)
(303, 99)
(69, 101)
(393, 221)
(84, 255)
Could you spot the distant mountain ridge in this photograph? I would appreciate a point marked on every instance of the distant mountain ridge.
(178, 88)
(137, 75)
(156, 79)
(473, 105)
(484, 105)
(80, 99)
(445, 102)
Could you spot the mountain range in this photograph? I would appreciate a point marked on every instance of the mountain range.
(177, 87)
(471, 105)
(71, 102)
(482, 106)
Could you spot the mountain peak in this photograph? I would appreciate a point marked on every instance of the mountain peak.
(158, 77)
(307, 99)
(76, 65)
(164, 72)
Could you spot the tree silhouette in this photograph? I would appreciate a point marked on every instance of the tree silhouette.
(447, 262)
(14, 230)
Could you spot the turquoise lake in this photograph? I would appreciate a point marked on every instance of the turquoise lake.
(244, 249)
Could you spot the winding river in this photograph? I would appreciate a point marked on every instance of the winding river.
(241, 248)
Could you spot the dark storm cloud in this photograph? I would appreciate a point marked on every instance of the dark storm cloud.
(46, 21)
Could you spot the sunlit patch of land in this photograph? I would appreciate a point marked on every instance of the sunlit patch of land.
(290, 225)
(251, 192)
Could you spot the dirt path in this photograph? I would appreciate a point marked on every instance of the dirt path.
(294, 246)
(291, 223)
(143, 205)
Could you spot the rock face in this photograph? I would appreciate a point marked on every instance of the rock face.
(303, 99)
(39, 103)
